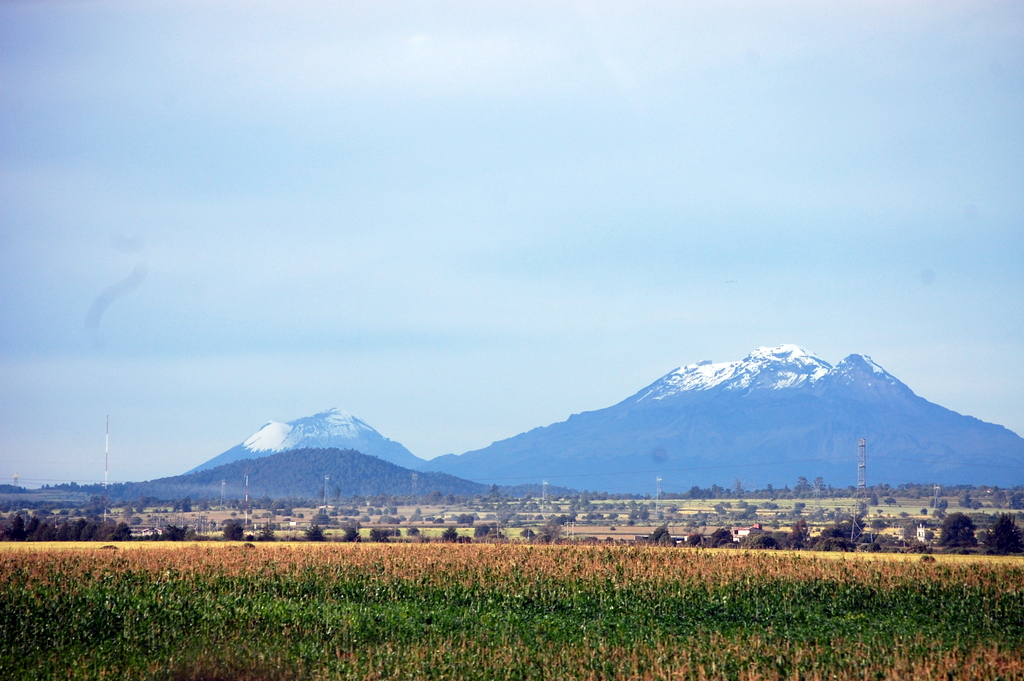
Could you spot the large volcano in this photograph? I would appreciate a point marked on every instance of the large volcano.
(334, 428)
(777, 414)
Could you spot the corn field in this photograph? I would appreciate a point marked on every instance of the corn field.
(471, 611)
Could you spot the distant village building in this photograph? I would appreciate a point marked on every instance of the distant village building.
(924, 534)
(738, 533)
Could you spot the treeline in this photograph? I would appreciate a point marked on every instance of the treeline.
(85, 529)
(82, 529)
(349, 483)
(957, 534)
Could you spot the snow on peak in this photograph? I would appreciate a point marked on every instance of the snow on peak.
(864, 363)
(784, 366)
(269, 438)
(324, 429)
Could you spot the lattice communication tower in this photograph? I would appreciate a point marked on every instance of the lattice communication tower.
(862, 458)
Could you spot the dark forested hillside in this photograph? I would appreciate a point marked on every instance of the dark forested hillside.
(300, 473)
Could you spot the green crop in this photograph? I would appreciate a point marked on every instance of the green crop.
(502, 612)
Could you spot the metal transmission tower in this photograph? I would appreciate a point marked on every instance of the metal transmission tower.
(326, 479)
(15, 479)
(415, 487)
(862, 478)
(817, 491)
(935, 499)
(657, 497)
(222, 483)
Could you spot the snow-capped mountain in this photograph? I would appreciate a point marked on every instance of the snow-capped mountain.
(777, 414)
(332, 428)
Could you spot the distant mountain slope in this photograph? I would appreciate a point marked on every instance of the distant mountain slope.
(300, 472)
(777, 414)
(333, 428)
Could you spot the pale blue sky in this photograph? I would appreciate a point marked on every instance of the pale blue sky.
(460, 221)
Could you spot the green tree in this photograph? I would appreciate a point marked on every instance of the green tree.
(17, 531)
(799, 535)
(121, 533)
(834, 544)
(957, 531)
(1004, 536)
(379, 535)
(760, 541)
(720, 538)
(233, 530)
(550, 533)
(315, 533)
(351, 533)
(450, 534)
(266, 533)
(662, 536)
(482, 531)
(174, 533)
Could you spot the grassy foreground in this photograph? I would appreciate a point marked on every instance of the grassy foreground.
(467, 611)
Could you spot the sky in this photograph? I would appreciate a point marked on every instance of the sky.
(460, 220)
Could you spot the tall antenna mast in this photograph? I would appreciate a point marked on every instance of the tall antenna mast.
(862, 478)
(657, 497)
(106, 468)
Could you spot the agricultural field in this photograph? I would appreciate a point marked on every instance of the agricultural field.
(228, 610)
